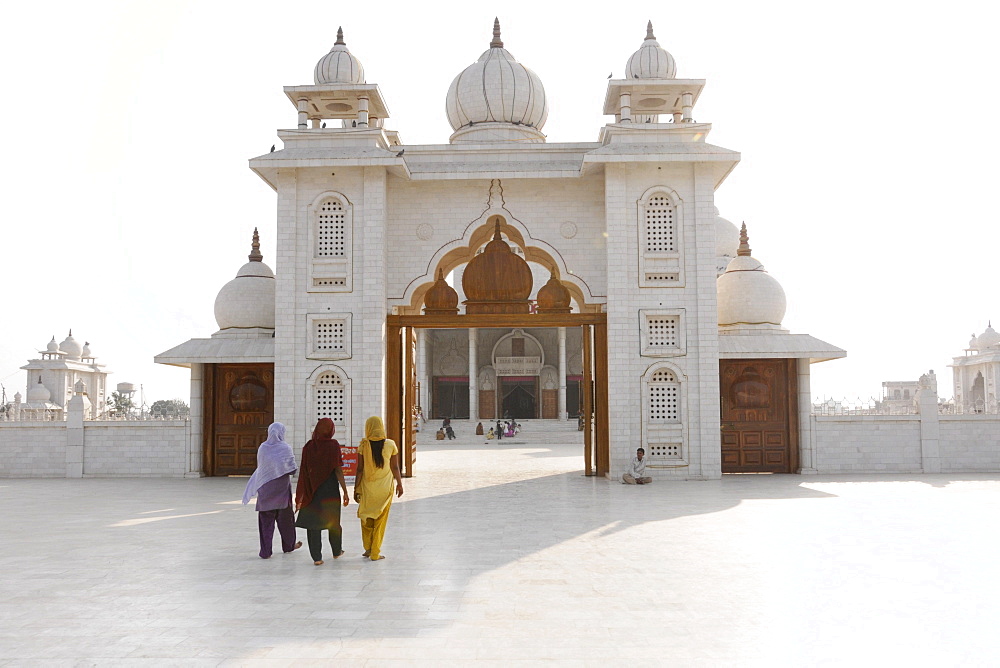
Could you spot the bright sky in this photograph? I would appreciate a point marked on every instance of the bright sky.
(867, 130)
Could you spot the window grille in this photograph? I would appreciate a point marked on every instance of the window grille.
(330, 240)
(664, 397)
(665, 451)
(662, 331)
(330, 397)
(660, 232)
(328, 336)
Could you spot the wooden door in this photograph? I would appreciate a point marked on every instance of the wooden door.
(759, 416)
(241, 397)
(411, 400)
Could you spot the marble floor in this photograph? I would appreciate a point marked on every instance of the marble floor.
(504, 554)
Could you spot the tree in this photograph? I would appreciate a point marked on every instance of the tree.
(120, 404)
(169, 407)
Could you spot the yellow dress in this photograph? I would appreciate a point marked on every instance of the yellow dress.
(377, 484)
(375, 488)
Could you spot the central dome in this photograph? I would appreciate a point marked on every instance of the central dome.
(497, 99)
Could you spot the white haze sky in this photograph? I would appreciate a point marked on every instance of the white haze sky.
(868, 133)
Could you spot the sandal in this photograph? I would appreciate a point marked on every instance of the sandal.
(319, 563)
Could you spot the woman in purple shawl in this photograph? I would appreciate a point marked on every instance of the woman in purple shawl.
(271, 484)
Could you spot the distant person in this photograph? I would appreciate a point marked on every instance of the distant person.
(636, 474)
(316, 497)
(271, 483)
(378, 465)
(499, 430)
(450, 433)
(439, 435)
(490, 435)
(479, 429)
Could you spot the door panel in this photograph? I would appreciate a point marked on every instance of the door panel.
(242, 404)
(757, 407)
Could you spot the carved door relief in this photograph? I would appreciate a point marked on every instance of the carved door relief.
(241, 401)
(759, 416)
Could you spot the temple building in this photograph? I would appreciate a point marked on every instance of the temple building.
(501, 275)
(976, 373)
(53, 379)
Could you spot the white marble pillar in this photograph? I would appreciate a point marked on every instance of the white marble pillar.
(562, 374)
(473, 375)
(807, 449)
(197, 419)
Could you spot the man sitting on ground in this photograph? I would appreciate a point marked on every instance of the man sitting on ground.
(636, 475)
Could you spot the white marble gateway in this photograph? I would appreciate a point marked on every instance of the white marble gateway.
(627, 223)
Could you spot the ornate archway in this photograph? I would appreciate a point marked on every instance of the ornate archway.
(494, 282)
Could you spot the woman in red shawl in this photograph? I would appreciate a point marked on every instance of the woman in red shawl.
(316, 496)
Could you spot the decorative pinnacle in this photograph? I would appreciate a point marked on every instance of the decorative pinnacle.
(744, 249)
(340, 37)
(497, 43)
(255, 255)
(496, 231)
(649, 30)
(440, 274)
(71, 331)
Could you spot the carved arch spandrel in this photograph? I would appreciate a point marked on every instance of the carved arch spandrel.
(447, 259)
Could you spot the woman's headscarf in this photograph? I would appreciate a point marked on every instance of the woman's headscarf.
(321, 457)
(274, 459)
(374, 431)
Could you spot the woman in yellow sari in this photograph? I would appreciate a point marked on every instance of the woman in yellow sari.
(378, 466)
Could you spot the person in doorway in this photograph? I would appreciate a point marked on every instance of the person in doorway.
(271, 484)
(378, 466)
(316, 496)
(499, 430)
(636, 474)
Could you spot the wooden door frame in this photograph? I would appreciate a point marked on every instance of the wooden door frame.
(395, 373)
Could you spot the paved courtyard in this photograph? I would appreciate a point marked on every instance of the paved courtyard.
(505, 554)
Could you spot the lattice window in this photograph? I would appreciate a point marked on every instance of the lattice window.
(662, 331)
(330, 397)
(331, 233)
(328, 336)
(660, 225)
(665, 451)
(664, 397)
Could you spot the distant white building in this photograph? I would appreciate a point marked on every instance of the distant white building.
(976, 373)
(53, 377)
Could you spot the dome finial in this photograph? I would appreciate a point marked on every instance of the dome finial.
(340, 37)
(496, 230)
(255, 255)
(497, 43)
(649, 30)
(744, 249)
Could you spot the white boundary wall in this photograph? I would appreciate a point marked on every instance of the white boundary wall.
(157, 449)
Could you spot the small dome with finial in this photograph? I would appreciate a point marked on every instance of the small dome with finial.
(747, 294)
(441, 299)
(553, 297)
(52, 347)
(651, 61)
(339, 65)
(86, 353)
(989, 338)
(247, 301)
(500, 92)
(39, 393)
